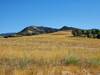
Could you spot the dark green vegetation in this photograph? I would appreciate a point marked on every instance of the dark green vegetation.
(92, 33)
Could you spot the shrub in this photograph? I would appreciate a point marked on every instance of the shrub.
(77, 32)
(93, 33)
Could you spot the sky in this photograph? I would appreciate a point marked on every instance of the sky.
(18, 14)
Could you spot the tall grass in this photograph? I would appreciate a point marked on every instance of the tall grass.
(49, 54)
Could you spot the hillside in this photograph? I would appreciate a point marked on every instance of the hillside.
(42, 53)
(66, 28)
(36, 30)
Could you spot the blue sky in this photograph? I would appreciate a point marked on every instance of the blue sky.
(17, 14)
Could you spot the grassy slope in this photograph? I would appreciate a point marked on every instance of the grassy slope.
(58, 50)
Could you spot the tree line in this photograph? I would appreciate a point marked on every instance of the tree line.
(92, 33)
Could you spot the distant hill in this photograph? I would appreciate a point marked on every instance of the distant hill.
(66, 28)
(35, 30)
(7, 34)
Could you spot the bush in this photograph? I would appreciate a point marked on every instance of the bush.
(93, 33)
(77, 32)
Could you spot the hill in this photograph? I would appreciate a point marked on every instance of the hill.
(36, 30)
(66, 28)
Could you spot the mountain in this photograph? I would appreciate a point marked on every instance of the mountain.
(34, 30)
(66, 28)
(7, 34)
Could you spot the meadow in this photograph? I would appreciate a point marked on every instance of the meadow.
(56, 53)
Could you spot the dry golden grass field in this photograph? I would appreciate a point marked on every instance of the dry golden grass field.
(49, 54)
